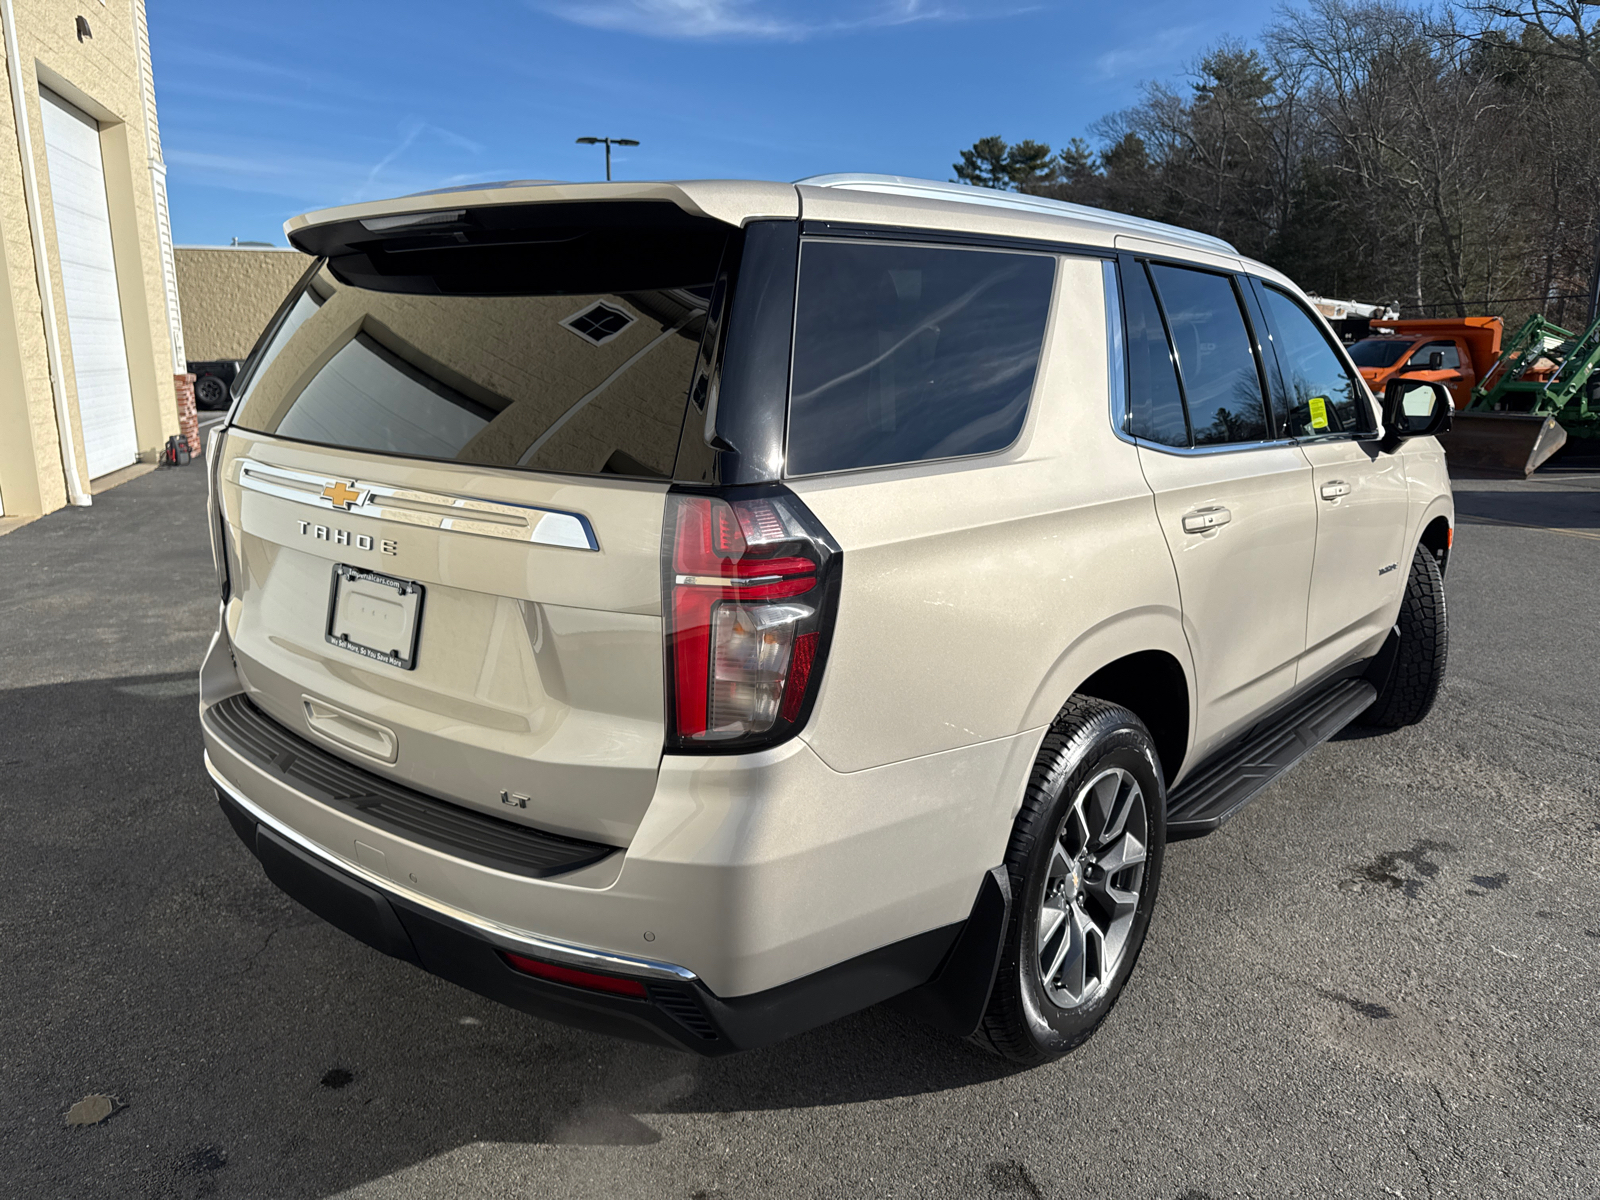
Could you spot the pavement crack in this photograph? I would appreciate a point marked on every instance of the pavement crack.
(260, 950)
(1439, 1096)
(1366, 1008)
(1422, 1169)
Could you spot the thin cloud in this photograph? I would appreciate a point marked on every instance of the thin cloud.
(766, 20)
(310, 181)
(1148, 54)
(411, 133)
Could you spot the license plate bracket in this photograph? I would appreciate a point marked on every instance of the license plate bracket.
(375, 616)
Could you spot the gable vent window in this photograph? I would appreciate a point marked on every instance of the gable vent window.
(598, 323)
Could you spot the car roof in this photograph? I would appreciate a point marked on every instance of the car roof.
(862, 199)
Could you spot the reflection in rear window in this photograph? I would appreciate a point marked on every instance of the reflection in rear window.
(909, 353)
(582, 384)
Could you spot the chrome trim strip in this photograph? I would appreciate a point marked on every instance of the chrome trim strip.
(1199, 451)
(430, 510)
(718, 581)
(507, 938)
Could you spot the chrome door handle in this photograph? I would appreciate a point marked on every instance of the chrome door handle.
(1203, 519)
(1335, 489)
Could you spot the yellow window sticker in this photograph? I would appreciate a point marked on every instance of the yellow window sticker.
(1319, 412)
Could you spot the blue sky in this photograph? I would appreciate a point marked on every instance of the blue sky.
(268, 110)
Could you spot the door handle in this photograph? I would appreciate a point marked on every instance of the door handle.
(1203, 519)
(1335, 489)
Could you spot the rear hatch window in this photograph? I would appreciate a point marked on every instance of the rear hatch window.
(587, 383)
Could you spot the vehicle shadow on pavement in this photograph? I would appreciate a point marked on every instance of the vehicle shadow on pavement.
(255, 1050)
(1577, 508)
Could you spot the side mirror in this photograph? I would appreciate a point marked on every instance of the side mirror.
(1436, 361)
(1414, 408)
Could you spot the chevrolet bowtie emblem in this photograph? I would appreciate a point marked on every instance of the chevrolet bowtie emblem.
(342, 496)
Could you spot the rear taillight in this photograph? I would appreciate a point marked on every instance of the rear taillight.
(750, 584)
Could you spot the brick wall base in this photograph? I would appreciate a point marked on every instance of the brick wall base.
(188, 415)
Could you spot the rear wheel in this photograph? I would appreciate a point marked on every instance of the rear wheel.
(1408, 694)
(1084, 860)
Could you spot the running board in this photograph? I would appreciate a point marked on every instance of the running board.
(1207, 799)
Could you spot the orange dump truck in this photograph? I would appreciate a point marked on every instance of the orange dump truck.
(1459, 352)
(1466, 348)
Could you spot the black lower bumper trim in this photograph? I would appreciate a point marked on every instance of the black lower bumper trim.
(684, 1015)
(344, 902)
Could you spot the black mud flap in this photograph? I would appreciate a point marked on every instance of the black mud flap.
(955, 998)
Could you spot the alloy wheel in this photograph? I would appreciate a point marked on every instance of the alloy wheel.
(1091, 889)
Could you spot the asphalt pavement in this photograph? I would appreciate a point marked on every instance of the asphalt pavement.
(1380, 980)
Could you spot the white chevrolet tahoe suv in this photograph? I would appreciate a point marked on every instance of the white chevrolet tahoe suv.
(696, 611)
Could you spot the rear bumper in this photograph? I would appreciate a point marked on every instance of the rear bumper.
(758, 884)
(677, 1010)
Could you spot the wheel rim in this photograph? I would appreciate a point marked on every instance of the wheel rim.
(209, 390)
(1091, 889)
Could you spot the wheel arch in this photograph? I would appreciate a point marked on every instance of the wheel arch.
(1155, 680)
(1153, 686)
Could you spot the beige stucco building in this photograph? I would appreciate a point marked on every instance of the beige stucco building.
(229, 294)
(91, 343)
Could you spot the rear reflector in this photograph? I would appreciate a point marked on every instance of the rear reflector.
(575, 978)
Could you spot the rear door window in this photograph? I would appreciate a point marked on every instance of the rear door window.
(587, 384)
(1221, 382)
(1324, 398)
(1155, 406)
(906, 353)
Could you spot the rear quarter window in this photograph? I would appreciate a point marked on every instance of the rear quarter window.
(908, 353)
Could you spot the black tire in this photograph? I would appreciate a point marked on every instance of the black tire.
(1090, 741)
(1407, 696)
(210, 392)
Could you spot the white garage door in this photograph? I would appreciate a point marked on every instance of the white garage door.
(89, 281)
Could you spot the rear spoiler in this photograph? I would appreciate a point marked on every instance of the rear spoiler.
(732, 202)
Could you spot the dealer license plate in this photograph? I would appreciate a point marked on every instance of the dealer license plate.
(375, 615)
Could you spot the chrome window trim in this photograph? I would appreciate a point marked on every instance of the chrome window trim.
(1198, 451)
(519, 941)
(414, 506)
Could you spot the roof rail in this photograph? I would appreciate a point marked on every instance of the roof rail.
(961, 193)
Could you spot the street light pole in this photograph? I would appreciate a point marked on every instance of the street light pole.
(609, 142)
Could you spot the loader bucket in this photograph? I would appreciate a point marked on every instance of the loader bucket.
(1506, 443)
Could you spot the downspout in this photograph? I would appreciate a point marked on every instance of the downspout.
(41, 264)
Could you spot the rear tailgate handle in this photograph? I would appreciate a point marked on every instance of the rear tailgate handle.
(347, 729)
(1335, 489)
(1203, 519)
